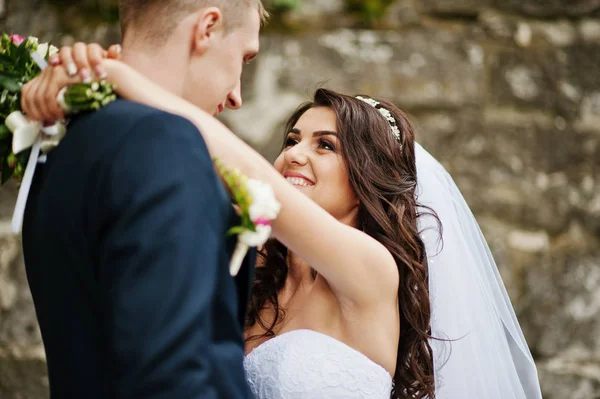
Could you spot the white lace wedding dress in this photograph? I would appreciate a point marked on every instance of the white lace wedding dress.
(307, 364)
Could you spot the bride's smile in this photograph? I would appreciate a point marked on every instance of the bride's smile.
(298, 179)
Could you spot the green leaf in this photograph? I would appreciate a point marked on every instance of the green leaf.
(6, 60)
(4, 131)
(235, 230)
(23, 156)
(23, 56)
(10, 84)
(10, 74)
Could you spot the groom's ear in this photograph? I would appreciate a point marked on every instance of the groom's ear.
(208, 24)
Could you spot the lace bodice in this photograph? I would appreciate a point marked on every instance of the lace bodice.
(308, 364)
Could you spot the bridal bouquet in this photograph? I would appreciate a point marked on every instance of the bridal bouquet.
(21, 60)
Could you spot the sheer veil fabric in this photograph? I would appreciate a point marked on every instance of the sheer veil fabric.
(481, 352)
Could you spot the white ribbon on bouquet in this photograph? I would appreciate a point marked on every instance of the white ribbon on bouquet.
(26, 134)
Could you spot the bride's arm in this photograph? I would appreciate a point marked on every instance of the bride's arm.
(356, 266)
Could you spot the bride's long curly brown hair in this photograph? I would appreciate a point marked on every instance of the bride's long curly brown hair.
(383, 174)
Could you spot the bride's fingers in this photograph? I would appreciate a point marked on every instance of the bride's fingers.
(39, 99)
(54, 59)
(114, 51)
(80, 56)
(27, 99)
(66, 59)
(29, 102)
(95, 55)
(55, 84)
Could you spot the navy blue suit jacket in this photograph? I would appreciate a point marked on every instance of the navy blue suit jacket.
(127, 260)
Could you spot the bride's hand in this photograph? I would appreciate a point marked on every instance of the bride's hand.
(85, 60)
(69, 66)
(39, 96)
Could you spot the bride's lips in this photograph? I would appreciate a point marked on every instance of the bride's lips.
(296, 175)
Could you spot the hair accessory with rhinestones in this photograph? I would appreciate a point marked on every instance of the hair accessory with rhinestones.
(385, 113)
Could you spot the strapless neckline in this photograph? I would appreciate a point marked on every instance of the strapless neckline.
(287, 334)
(307, 364)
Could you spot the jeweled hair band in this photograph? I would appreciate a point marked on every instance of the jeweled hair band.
(385, 113)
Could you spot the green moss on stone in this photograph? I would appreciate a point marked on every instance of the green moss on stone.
(369, 11)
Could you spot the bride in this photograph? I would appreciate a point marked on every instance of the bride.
(378, 282)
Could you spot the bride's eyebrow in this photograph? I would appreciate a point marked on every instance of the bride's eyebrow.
(318, 133)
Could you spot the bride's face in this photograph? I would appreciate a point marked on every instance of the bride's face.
(312, 161)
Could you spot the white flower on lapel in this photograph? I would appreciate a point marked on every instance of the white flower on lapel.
(264, 205)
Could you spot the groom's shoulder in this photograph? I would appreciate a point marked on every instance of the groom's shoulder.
(124, 110)
(127, 120)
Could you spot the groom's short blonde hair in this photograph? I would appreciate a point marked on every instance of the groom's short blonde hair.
(160, 17)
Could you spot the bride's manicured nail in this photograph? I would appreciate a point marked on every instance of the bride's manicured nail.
(85, 75)
(71, 69)
(100, 72)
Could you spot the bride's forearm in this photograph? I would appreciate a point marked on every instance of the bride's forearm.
(336, 251)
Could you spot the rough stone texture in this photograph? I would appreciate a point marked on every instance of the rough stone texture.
(455, 8)
(505, 93)
(408, 68)
(22, 365)
(550, 8)
(23, 377)
(571, 376)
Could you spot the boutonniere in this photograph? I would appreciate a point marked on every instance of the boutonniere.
(23, 141)
(255, 203)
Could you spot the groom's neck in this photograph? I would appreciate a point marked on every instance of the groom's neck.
(156, 66)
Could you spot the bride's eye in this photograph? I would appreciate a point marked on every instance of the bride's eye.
(290, 141)
(327, 145)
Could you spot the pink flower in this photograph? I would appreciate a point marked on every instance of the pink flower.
(17, 39)
(262, 222)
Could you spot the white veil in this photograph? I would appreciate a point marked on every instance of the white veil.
(486, 356)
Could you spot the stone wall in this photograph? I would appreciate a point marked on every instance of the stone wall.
(505, 93)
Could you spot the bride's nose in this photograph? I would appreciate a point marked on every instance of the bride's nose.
(296, 155)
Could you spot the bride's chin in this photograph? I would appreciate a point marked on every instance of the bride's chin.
(307, 191)
(304, 189)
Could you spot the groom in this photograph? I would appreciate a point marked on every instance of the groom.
(125, 229)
